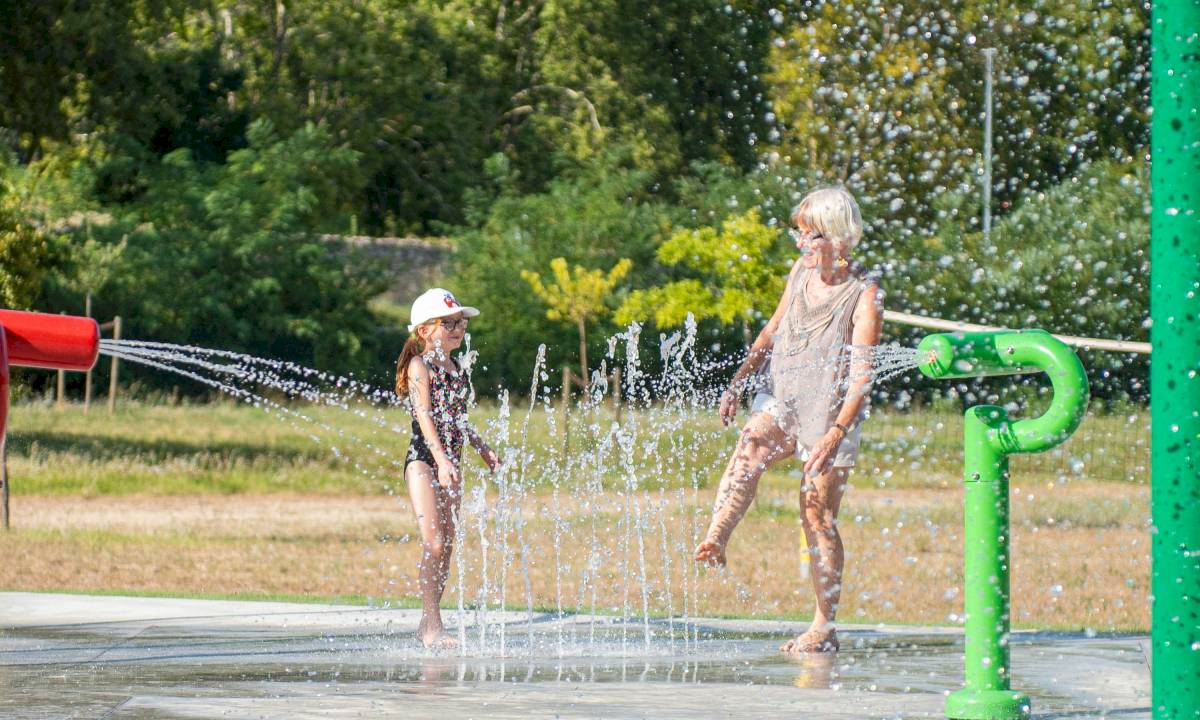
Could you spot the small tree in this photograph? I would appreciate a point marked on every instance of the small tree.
(25, 253)
(577, 296)
(741, 268)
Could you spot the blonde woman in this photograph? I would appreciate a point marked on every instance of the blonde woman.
(818, 345)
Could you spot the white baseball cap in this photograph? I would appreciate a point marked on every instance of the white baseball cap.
(435, 303)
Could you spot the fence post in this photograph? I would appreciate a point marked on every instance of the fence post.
(4, 477)
(112, 378)
(4, 399)
(87, 379)
(566, 413)
(60, 400)
(617, 393)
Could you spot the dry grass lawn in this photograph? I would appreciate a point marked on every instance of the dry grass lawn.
(1080, 552)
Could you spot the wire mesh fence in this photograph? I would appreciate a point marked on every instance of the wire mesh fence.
(1113, 447)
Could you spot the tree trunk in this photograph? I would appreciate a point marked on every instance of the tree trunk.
(583, 362)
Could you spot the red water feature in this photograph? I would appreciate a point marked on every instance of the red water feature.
(3, 391)
(41, 340)
(57, 342)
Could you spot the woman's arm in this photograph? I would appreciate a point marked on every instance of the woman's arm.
(760, 350)
(868, 328)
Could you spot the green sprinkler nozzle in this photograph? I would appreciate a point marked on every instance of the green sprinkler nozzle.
(1009, 352)
(974, 354)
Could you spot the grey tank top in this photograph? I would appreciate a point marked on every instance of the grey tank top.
(811, 358)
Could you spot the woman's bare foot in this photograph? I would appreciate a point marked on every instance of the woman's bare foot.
(439, 641)
(813, 641)
(434, 637)
(710, 553)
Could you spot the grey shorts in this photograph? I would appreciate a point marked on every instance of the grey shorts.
(847, 452)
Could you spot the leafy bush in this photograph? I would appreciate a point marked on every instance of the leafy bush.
(593, 216)
(226, 255)
(26, 255)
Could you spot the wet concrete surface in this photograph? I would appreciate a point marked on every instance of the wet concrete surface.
(75, 656)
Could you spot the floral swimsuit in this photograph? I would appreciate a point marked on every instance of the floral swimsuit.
(448, 393)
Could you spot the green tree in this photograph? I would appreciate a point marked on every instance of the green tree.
(680, 80)
(741, 273)
(70, 67)
(26, 254)
(890, 102)
(593, 216)
(578, 296)
(226, 255)
(1072, 259)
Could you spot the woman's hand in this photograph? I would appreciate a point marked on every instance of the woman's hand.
(489, 457)
(730, 399)
(820, 460)
(447, 472)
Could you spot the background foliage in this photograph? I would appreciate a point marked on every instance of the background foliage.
(180, 160)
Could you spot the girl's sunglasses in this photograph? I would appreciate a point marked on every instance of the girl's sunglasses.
(452, 325)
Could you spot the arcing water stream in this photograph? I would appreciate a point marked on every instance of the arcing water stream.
(611, 512)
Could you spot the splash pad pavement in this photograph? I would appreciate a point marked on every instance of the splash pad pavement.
(83, 656)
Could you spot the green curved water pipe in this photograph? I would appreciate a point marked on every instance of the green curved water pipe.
(989, 437)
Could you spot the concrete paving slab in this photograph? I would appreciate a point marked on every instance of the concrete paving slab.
(114, 657)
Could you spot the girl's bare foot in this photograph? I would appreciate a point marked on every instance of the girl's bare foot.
(434, 637)
(814, 640)
(710, 553)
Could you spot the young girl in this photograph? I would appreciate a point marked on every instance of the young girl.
(437, 389)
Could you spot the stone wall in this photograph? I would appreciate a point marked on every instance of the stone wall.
(415, 263)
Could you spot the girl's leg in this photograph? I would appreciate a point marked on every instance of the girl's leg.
(760, 444)
(821, 500)
(425, 502)
(449, 502)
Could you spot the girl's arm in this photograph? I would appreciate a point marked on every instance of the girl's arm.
(485, 451)
(475, 438)
(422, 404)
(868, 328)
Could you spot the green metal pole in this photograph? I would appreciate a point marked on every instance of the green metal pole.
(1175, 365)
(986, 693)
(989, 437)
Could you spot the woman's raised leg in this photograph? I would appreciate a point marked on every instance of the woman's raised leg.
(760, 444)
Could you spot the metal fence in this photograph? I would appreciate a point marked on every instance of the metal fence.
(1106, 447)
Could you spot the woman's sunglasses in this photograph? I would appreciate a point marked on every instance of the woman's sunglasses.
(800, 236)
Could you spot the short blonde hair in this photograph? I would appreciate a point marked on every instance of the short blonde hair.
(832, 212)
